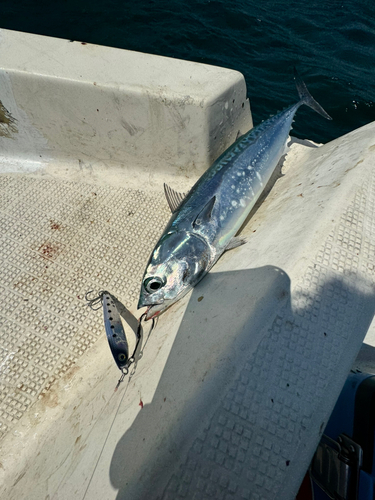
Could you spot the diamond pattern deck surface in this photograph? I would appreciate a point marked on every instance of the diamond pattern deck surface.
(262, 419)
(58, 240)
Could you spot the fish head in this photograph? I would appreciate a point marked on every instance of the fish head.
(178, 262)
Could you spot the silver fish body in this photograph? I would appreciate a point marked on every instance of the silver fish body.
(205, 223)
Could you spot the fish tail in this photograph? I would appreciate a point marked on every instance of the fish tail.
(307, 98)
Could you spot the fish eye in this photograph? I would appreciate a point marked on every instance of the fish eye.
(153, 284)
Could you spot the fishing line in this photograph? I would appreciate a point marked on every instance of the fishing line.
(108, 433)
(101, 452)
(94, 304)
(118, 408)
(153, 325)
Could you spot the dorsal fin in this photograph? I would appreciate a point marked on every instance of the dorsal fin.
(174, 198)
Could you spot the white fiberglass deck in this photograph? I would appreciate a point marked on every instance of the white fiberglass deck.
(231, 402)
(58, 241)
(232, 390)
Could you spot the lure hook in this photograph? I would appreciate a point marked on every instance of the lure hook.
(92, 303)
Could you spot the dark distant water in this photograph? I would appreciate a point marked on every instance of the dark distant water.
(331, 42)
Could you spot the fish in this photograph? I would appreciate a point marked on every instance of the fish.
(204, 223)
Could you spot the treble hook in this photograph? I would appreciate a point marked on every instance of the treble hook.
(91, 303)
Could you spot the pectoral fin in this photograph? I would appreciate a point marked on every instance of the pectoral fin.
(205, 214)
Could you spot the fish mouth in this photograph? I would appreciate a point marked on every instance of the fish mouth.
(145, 302)
(151, 313)
(153, 310)
(157, 308)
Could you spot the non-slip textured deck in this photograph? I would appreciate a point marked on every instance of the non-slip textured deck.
(253, 436)
(233, 388)
(58, 240)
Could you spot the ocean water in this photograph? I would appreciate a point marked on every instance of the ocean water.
(332, 43)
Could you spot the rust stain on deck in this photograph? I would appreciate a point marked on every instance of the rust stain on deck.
(48, 250)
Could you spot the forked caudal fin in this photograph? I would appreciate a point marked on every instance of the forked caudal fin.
(307, 98)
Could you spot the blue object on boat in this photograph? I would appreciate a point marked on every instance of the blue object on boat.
(343, 466)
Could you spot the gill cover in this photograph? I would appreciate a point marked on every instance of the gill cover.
(178, 262)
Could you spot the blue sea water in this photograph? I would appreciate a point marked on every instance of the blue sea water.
(332, 43)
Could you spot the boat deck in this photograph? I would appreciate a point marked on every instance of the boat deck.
(216, 403)
(59, 240)
(230, 393)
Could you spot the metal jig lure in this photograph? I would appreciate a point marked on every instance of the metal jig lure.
(115, 331)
